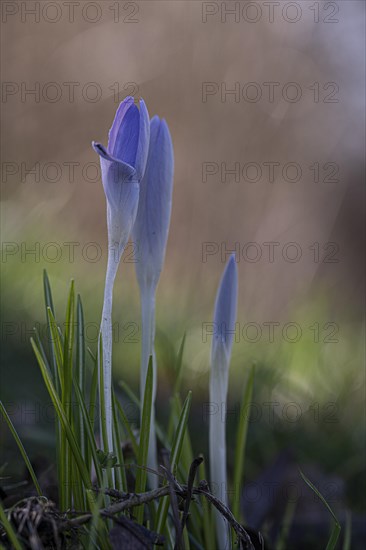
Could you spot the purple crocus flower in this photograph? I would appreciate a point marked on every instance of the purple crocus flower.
(123, 165)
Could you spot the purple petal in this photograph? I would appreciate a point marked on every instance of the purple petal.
(126, 142)
(143, 143)
(153, 217)
(121, 111)
(114, 174)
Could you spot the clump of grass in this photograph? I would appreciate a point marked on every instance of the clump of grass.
(87, 497)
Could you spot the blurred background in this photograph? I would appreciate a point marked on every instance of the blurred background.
(265, 103)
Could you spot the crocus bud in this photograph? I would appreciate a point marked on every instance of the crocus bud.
(123, 165)
(225, 318)
(150, 232)
(224, 327)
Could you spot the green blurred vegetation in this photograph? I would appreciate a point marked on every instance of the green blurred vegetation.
(308, 395)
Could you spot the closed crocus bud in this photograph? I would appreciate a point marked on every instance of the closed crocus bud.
(150, 234)
(224, 327)
(123, 165)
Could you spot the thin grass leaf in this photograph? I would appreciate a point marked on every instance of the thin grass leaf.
(47, 291)
(92, 409)
(332, 542)
(348, 532)
(127, 426)
(92, 355)
(9, 530)
(333, 539)
(98, 534)
(141, 474)
(40, 346)
(49, 304)
(78, 497)
(21, 448)
(208, 527)
(174, 459)
(187, 452)
(62, 417)
(178, 366)
(240, 445)
(187, 545)
(286, 524)
(93, 395)
(90, 439)
(180, 433)
(67, 395)
(80, 367)
(57, 354)
(120, 470)
(173, 418)
(57, 351)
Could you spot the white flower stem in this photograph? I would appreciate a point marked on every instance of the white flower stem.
(217, 443)
(148, 338)
(106, 331)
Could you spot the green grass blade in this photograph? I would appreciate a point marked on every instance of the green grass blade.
(127, 427)
(49, 305)
(80, 368)
(348, 532)
(63, 418)
(48, 292)
(174, 459)
(141, 473)
(120, 470)
(56, 362)
(240, 446)
(208, 527)
(67, 392)
(56, 350)
(332, 542)
(173, 418)
(92, 446)
(21, 448)
(187, 453)
(92, 406)
(178, 366)
(286, 524)
(180, 432)
(40, 346)
(9, 530)
(93, 395)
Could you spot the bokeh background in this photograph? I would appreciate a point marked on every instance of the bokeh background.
(80, 60)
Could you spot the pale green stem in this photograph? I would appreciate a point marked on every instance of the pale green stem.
(106, 331)
(148, 338)
(217, 443)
